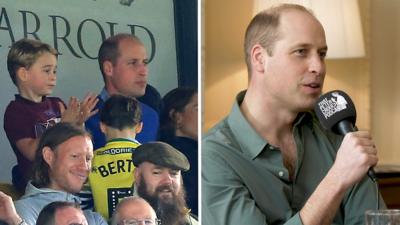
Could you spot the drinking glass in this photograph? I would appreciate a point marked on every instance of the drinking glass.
(382, 217)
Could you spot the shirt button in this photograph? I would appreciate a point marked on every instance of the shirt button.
(271, 147)
(281, 173)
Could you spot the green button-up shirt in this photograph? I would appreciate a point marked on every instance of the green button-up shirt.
(244, 180)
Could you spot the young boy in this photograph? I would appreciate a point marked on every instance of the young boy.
(111, 178)
(32, 67)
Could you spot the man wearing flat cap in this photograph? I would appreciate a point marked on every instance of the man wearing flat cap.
(159, 181)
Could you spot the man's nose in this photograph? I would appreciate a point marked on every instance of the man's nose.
(85, 164)
(167, 178)
(316, 65)
(143, 69)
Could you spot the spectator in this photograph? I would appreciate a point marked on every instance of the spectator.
(178, 127)
(123, 64)
(61, 167)
(158, 180)
(32, 67)
(61, 213)
(112, 168)
(134, 210)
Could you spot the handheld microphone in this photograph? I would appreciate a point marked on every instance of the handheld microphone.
(336, 111)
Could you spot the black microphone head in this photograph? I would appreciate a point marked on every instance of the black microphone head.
(334, 107)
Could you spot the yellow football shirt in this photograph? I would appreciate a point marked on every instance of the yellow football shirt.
(112, 177)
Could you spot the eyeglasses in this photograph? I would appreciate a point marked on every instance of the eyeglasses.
(141, 222)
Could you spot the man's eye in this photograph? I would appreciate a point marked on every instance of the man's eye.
(322, 55)
(133, 62)
(148, 222)
(301, 52)
(174, 173)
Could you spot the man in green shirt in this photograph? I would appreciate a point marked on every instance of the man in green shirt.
(270, 161)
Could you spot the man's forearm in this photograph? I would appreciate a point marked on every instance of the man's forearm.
(323, 204)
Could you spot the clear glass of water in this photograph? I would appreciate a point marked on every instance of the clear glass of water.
(382, 217)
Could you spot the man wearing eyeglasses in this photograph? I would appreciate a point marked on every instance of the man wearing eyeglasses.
(159, 181)
(134, 210)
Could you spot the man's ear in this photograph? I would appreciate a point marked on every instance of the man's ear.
(108, 68)
(48, 155)
(136, 173)
(257, 56)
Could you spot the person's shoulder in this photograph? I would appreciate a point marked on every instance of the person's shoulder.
(14, 103)
(26, 210)
(221, 132)
(146, 109)
(94, 218)
(11, 108)
(219, 142)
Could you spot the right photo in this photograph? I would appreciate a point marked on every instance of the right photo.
(300, 112)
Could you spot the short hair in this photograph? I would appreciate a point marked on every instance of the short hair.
(24, 53)
(52, 138)
(120, 112)
(109, 49)
(263, 29)
(48, 213)
(116, 217)
(175, 100)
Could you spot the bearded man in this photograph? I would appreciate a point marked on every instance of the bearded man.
(159, 181)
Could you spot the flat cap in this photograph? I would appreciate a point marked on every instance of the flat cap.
(162, 154)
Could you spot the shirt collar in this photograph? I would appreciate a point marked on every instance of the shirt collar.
(19, 97)
(123, 139)
(249, 140)
(104, 95)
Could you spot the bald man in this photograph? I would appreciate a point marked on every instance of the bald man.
(136, 209)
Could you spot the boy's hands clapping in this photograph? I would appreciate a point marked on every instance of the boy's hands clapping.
(78, 112)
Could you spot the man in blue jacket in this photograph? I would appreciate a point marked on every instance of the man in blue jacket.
(123, 62)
